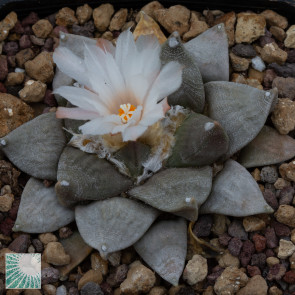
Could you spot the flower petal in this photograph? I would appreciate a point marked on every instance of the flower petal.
(83, 98)
(127, 56)
(139, 87)
(154, 115)
(133, 132)
(101, 125)
(105, 76)
(70, 64)
(106, 45)
(75, 113)
(149, 63)
(168, 81)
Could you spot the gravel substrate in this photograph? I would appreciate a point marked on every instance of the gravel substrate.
(258, 252)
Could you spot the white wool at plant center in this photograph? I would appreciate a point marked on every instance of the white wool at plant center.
(124, 89)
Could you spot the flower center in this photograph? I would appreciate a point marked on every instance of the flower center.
(126, 112)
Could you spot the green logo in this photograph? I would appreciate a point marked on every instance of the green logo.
(23, 271)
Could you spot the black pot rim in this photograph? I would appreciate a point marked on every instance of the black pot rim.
(47, 7)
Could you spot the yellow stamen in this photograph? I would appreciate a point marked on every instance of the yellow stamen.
(126, 112)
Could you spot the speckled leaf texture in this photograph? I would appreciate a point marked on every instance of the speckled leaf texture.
(210, 52)
(40, 211)
(191, 93)
(113, 224)
(82, 176)
(267, 148)
(235, 193)
(208, 143)
(35, 147)
(176, 190)
(240, 109)
(163, 248)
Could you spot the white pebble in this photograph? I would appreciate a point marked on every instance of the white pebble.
(19, 70)
(30, 82)
(258, 64)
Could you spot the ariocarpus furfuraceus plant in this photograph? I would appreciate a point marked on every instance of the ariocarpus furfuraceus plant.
(135, 141)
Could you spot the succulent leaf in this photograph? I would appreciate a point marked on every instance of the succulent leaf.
(176, 190)
(133, 155)
(163, 248)
(240, 109)
(235, 193)
(84, 177)
(40, 211)
(113, 224)
(267, 148)
(191, 93)
(210, 52)
(199, 141)
(35, 147)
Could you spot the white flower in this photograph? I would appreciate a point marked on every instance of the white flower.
(124, 89)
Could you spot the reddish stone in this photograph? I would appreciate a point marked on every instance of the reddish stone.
(248, 247)
(253, 270)
(49, 99)
(6, 226)
(211, 278)
(234, 246)
(18, 28)
(106, 288)
(10, 48)
(258, 260)
(245, 258)
(259, 242)
(276, 272)
(14, 209)
(289, 277)
(202, 227)
(20, 244)
(31, 19)
(236, 230)
(269, 253)
(224, 239)
(25, 42)
(28, 30)
(3, 67)
(286, 195)
(281, 230)
(271, 199)
(58, 29)
(271, 238)
(269, 76)
(2, 88)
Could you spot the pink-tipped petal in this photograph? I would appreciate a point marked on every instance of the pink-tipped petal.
(166, 107)
(75, 113)
(105, 45)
